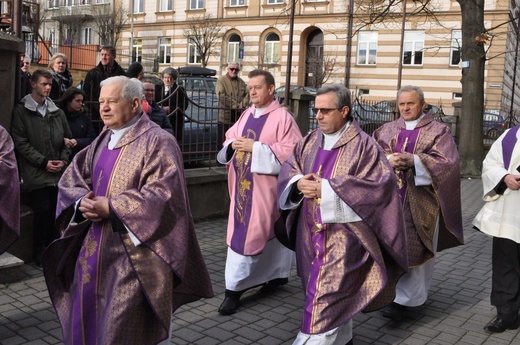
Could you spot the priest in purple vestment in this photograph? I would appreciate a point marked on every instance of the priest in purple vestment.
(128, 256)
(9, 193)
(255, 147)
(424, 156)
(341, 206)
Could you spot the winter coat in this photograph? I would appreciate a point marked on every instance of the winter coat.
(82, 130)
(37, 140)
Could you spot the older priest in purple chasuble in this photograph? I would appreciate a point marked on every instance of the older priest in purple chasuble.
(343, 205)
(255, 147)
(9, 193)
(426, 162)
(128, 256)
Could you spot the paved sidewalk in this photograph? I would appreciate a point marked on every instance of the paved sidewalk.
(455, 313)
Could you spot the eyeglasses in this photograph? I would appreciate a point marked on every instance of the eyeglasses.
(149, 90)
(25, 63)
(324, 111)
(234, 69)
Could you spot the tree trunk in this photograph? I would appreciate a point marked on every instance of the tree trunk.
(471, 146)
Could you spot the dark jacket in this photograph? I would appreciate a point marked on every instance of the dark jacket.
(26, 87)
(82, 130)
(177, 102)
(37, 140)
(91, 85)
(158, 115)
(60, 83)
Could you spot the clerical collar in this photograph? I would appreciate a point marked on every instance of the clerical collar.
(259, 111)
(329, 140)
(119, 133)
(413, 123)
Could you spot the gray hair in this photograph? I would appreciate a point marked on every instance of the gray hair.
(233, 63)
(172, 72)
(342, 96)
(132, 88)
(411, 88)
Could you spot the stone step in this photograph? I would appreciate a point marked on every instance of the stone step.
(10, 268)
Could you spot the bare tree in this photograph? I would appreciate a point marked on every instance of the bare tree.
(110, 21)
(205, 33)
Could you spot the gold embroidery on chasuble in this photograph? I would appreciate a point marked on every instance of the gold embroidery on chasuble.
(243, 198)
(88, 249)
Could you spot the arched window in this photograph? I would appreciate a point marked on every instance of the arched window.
(233, 48)
(272, 49)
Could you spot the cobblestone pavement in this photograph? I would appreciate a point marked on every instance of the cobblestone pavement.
(455, 313)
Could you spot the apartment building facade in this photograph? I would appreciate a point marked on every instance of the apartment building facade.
(422, 49)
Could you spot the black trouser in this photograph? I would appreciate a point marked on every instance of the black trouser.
(42, 201)
(505, 290)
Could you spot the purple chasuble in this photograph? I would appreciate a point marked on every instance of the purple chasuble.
(508, 144)
(85, 313)
(405, 143)
(244, 184)
(324, 165)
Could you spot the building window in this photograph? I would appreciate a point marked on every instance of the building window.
(367, 48)
(456, 44)
(272, 47)
(165, 5)
(233, 48)
(196, 4)
(54, 3)
(193, 53)
(236, 2)
(87, 36)
(165, 44)
(85, 2)
(274, 2)
(102, 1)
(138, 6)
(413, 48)
(137, 50)
(52, 36)
(456, 95)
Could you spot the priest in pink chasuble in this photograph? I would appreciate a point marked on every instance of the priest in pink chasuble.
(424, 157)
(128, 255)
(255, 147)
(344, 217)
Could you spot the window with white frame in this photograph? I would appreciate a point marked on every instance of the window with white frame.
(367, 48)
(193, 52)
(274, 2)
(233, 48)
(456, 44)
(165, 44)
(87, 36)
(413, 48)
(137, 50)
(69, 2)
(52, 36)
(196, 4)
(85, 2)
(271, 49)
(54, 3)
(165, 5)
(138, 6)
(236, 2)
(102, 1)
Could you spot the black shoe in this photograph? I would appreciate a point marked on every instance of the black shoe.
(229, 305)
(351, 342)
(499, 325)
(274, 284)
(394, 311)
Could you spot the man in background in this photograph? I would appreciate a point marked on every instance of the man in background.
(233, 98)
(106, 68)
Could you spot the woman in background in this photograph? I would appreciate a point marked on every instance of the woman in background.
(61, 77)
(83, 132)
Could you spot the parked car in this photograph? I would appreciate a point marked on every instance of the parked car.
(493, 125)
(197, 80)
(368, 117)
